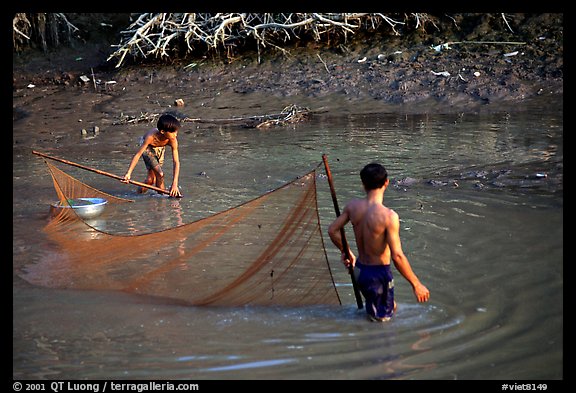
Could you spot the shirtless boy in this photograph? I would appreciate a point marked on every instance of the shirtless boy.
(152, 147)
(377, 232)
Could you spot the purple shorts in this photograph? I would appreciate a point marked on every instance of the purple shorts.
(377, 286)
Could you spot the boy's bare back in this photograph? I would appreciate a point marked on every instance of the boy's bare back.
(370, 221)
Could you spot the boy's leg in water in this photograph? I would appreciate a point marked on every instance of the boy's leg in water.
(159, 177)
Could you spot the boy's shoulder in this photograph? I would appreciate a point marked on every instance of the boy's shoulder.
(355, 203)
(151, 133)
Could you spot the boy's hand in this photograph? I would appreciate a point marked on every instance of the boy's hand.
(348, 261)
(175, 192)
(422, 293)
(126, 178)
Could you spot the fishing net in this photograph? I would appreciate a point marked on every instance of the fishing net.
(267, 251)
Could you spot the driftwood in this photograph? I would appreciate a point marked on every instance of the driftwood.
(289, 115)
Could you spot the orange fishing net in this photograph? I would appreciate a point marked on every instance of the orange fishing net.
(268, 251)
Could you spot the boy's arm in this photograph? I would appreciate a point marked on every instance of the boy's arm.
(334, 231)
(400, 260)
(174, 190)
(135, 159)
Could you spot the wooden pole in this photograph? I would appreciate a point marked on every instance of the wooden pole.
(137, 183)
(359, 301)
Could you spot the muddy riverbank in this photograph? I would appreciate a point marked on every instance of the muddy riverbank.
(444, 69)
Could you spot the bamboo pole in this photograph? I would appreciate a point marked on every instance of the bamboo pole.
(136, 183)
(359, 301)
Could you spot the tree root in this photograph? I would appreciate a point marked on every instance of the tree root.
(159, 35)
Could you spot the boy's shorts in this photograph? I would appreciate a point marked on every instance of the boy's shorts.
(153, 157)
(377, 285)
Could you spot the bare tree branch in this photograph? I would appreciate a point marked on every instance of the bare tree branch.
(156, 34)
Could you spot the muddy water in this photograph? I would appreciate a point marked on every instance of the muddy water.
(479, 194)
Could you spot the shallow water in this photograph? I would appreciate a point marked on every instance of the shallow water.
(481, 226)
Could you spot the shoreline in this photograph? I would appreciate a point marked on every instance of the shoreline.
(369, 72)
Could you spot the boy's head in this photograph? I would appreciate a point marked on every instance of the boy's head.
(373, 176)
(168, 123)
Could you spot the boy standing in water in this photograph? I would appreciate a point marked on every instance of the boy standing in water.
(153, 145)
(377, 232)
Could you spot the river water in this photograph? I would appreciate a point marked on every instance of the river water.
(480, 198)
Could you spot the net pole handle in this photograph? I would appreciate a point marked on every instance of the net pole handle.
(359, 301)
(137, 183)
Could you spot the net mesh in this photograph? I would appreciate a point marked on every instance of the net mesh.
(267, 251)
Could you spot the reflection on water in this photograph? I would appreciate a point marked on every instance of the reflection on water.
(480, 225)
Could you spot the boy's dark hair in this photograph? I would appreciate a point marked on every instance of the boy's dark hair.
(373, 176)
(168, 123)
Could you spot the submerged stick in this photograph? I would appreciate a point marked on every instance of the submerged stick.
(359, 301)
